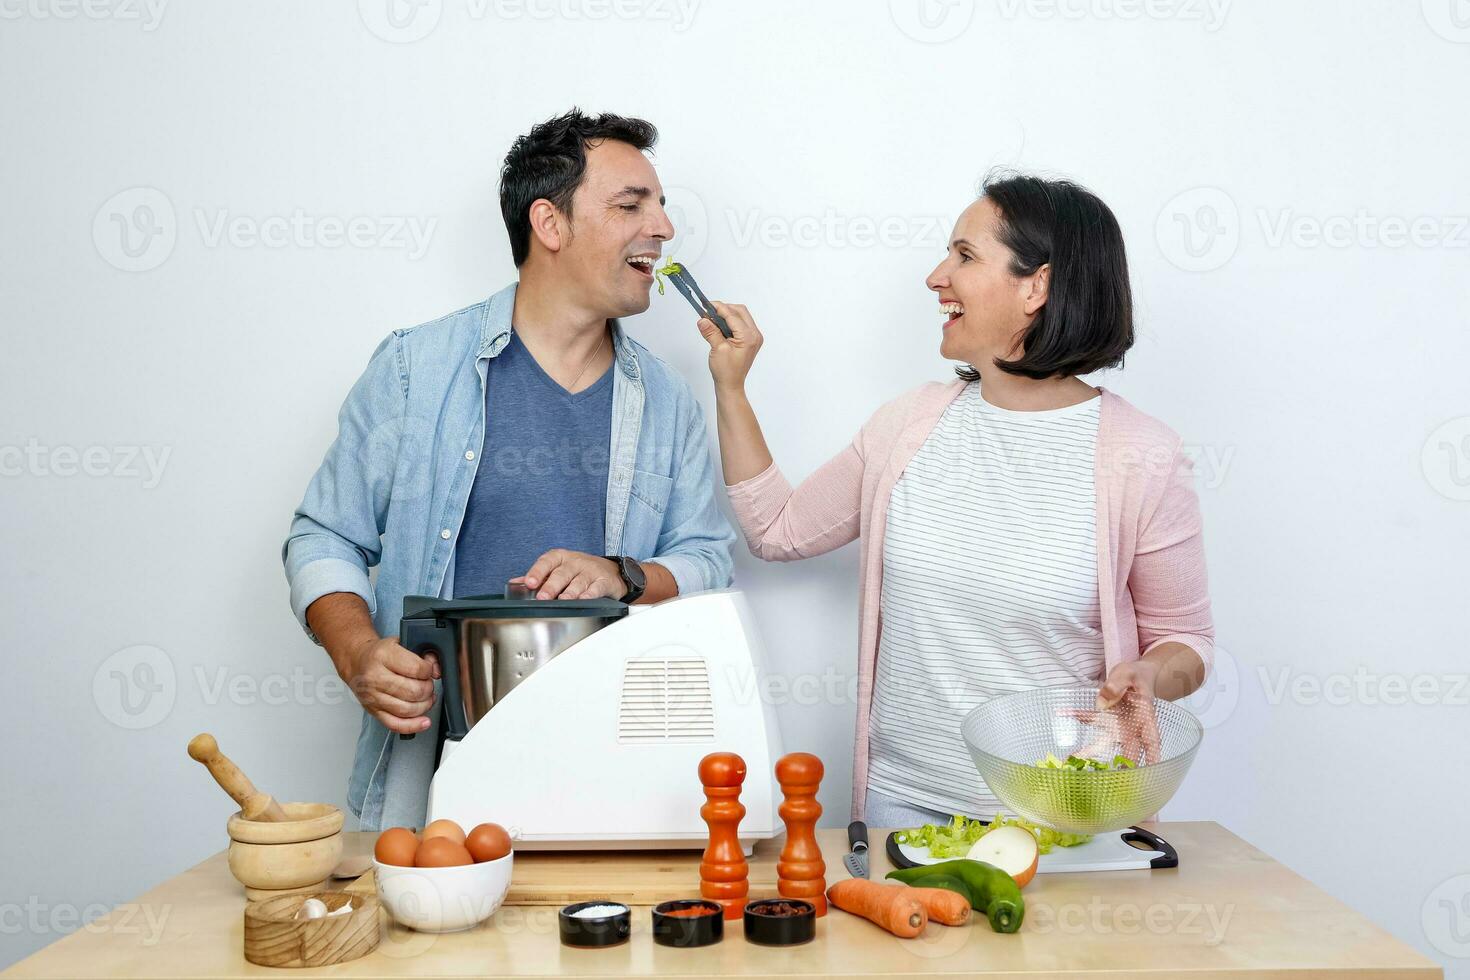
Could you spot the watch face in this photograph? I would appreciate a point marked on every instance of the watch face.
(634, 573)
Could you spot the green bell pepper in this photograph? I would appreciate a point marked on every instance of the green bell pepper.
(989, 889)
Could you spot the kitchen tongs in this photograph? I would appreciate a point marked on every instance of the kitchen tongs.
(685, 284)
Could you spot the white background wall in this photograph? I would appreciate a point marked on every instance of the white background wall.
(1290, 177)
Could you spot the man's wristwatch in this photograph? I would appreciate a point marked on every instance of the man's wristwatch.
(633, 577)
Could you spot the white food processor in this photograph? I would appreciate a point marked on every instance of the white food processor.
(580, 724)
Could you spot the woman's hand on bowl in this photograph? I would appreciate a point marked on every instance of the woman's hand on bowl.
(730, 357)
(1125, 715)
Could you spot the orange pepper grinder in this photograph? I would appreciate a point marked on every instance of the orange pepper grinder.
(724, 876)
(800, 870)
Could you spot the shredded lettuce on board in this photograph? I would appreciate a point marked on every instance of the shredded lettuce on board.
(957, 837)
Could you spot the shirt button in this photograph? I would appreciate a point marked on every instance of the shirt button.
(469, 454)
(444, 534)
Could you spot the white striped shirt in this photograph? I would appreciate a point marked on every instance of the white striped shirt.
(989, 586)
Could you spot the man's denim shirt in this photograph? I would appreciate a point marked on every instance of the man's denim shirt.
(392, 489)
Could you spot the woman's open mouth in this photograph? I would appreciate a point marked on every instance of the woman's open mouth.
(951, 312)
(643, 265)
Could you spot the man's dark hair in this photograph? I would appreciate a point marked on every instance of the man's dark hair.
(550, 161)
(1087, 322)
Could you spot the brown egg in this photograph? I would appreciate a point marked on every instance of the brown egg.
(397, 847)
(445, 828)
(488, 842)
(441, 852)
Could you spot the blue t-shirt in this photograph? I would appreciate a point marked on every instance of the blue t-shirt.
(542, 478)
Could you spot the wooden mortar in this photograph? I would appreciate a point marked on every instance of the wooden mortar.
(291, 855)
(275, 937)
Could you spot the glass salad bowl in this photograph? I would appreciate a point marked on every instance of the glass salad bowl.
(1023, 745)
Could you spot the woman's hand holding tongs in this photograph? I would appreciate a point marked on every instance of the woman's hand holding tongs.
(730, 357)
(743, 450)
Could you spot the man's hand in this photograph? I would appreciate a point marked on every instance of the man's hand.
(562, 574)
(394, 686)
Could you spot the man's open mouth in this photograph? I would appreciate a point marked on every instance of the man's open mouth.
(643, 264)
(951, 312)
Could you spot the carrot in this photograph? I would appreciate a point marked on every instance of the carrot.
(944, 906)
(893, 907)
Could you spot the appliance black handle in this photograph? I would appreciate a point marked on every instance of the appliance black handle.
(1168, 859)
(438, 636)
(857, 836)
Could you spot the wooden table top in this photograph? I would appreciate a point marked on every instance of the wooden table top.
(1228, 910)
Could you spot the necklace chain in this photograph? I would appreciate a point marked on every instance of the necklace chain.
(573, 386)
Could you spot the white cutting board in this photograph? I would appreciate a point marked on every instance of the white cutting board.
(1105, 852)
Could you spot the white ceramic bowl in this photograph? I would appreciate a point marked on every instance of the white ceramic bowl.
(443, 899)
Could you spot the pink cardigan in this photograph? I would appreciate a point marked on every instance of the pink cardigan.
(1150, 552)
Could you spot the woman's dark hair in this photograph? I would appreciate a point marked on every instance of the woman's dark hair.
(550, 161)
(1087, 322)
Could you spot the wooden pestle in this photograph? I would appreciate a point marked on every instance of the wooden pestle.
(203, 748)
(258, 805)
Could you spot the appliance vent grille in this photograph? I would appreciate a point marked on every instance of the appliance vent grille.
(666, 700)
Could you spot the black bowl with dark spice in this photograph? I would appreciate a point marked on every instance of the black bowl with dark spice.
(780, 921)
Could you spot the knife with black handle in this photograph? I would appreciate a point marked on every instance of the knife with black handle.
(857, 856)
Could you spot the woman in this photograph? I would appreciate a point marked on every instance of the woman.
(1020, 528)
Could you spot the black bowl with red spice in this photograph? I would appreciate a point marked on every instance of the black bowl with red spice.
(780, 921)
(688, 922)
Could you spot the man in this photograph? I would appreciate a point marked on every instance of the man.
(526, 437)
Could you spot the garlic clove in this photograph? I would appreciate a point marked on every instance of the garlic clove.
(312, 908)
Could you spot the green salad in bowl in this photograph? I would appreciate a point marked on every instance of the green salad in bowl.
(1041, 753)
